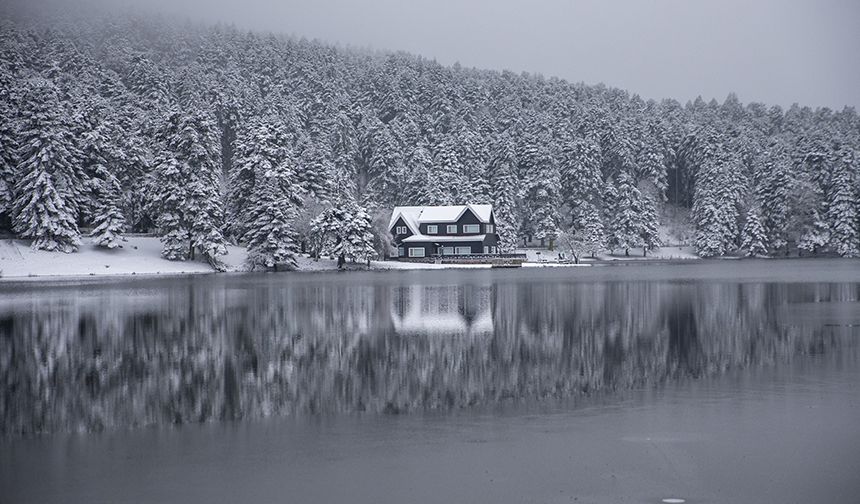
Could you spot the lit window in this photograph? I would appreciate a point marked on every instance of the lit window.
(432, 229)
(416, 251)
(463, 250)
(471, 228)
(452, 229)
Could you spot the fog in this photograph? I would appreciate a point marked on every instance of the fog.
(774, 51)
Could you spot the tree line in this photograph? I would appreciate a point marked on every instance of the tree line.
(208, 135)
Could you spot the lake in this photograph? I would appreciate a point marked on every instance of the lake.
(708, 381)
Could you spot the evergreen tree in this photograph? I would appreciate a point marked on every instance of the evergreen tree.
(626, 230)
(503, 183)
(346, 232)
(753, 237)
(108, 220)
(650, 222)
(842, 213)
(169, 196)
(45, 165)
(270, 234)
(192, 164)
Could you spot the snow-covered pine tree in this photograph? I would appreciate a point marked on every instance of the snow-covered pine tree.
(716, 198)
(581, 180)
(41, 214)
(650, 223)
(40, 210)
(626, 229)
(269, 234)
(313, 170)
(815, 236)
(591, 230)
(346, 232)
(168, 206)
(423, 186)
(541, 193)
(261, 145)
(8, 163)
(842, 211)
(505, 191)
(191, 141)
(108, 220)
(774, 182)
(449, 170)
(753, 237)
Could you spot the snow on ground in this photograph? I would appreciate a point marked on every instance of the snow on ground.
(666, 253)
(548, 257)
(140, 255)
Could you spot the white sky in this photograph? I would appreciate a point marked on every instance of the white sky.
(774, 51)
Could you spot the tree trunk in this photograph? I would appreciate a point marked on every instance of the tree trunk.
(626, 252)
(341, 260)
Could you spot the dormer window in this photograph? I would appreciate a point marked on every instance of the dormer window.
(432, 229)
(471, 228)
(401, 230)
(452, 229)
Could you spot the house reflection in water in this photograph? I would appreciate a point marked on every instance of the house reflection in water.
(449, 309)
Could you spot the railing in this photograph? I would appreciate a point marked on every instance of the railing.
(495, 259)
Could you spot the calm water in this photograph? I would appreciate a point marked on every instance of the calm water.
(551, 385)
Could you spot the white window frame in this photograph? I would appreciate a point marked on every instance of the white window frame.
(401, 230)
(491, 228)
(486, 249)
(414, 252)
(432, 229)
(462, 250)
(471, 228)
(451, 229)
(447, 251)
(401, 251)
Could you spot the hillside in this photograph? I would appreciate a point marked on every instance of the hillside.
(211, 135)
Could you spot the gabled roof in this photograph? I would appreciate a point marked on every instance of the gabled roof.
(415, 215)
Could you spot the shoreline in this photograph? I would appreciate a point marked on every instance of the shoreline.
(140, 258)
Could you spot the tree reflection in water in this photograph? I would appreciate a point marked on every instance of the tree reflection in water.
(193, 350)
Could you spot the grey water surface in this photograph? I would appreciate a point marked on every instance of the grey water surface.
(724, 381)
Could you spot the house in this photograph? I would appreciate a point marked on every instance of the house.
(422, 232)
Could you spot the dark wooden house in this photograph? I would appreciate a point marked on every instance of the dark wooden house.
(424, 232)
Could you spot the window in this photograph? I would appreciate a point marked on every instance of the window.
(471, 228)
(447, 250)
(401, 230)
(463, 250)
(452, 229)
(486, 249)
(432, 229)
(401, 251)
(491, 228)
(416, 251)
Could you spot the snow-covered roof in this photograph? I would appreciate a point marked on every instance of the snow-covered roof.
(443, 238)
(415, 215)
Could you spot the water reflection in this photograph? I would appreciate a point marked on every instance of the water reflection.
(198, 349)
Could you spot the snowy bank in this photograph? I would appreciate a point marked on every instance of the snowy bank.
(141, 255)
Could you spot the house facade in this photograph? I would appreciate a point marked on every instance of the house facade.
(423, 232)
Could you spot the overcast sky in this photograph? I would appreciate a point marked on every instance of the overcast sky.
(774, 51)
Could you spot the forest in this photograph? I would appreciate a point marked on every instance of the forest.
(207, 135)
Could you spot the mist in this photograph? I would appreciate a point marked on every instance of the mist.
(771, 51)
